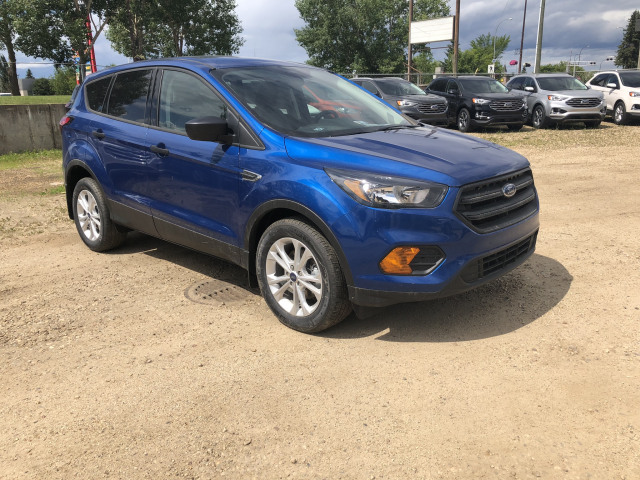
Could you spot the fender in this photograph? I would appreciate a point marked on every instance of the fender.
(253, 230)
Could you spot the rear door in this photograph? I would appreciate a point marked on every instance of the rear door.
(193, 185)
(119, 133)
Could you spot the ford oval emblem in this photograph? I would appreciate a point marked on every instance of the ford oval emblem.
(509, 190)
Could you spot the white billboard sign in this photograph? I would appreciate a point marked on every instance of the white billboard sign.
(438, 30)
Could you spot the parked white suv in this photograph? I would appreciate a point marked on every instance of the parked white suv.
(621, 92)
(558, 98)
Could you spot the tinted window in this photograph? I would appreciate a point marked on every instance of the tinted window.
(529, 82)
(128, 99)
(398, 88)
(184, 97)
(599, 79)
(369, 86)
(452, 87)
(613, 78)
(96, 92)
(482, 85)
(516, 83)
(438, 85)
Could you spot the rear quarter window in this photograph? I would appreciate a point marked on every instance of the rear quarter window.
(96, 93)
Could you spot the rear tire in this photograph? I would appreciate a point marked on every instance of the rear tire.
(300, 277)
(91, 215)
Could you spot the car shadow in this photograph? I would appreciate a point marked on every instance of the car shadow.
(497, 308)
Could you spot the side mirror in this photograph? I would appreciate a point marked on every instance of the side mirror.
(612, 85)
(529, 89)
(452, 92)
(209, 129)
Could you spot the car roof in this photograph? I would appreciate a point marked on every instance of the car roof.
(543, 75)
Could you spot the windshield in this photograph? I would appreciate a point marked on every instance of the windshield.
(556, 84)
(399, 88)
(630, 79)
(482, 85)
(292, 101)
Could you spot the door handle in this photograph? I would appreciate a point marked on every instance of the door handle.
(98, 134)
(159, 150)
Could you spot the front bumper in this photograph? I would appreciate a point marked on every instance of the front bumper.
(482, 118)
(560, 112)
(437, 118)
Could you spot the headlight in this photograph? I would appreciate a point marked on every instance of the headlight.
(557, 98)
(389, 192)
(634, 94)
(405, 103)
(481, 101)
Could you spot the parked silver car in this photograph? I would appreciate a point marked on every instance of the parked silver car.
(554, 98)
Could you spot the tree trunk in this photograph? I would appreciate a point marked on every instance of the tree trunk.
(13, 72)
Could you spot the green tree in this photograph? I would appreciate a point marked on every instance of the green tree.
(627, 55)
(167, 28)
(29, 73)
(369, 36)
(477, 58)
(55, 29)
(63, 81)
(42, 86)
(7, 42)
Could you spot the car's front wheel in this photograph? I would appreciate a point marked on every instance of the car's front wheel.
(464, 120)
(619, 114)
(300, 277)
(91, 215)
(538, 117)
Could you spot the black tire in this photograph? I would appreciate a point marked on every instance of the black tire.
(464, 121)
(515, 128)
(91, 216)
(291, 298)
(539, 117)
(593, 124)
(620, 114)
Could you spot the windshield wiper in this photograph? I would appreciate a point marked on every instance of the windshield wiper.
(396, 127)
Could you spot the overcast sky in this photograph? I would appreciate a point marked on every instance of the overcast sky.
(571, 26)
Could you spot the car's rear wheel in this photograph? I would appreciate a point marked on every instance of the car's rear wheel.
(464, 120)
(620, 114)
(91, 216)
(538, 117)
(300, 277)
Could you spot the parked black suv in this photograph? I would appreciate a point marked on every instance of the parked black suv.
(479, 102)
(408, 98)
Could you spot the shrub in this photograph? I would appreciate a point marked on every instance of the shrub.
(41, 86)
(63, 81)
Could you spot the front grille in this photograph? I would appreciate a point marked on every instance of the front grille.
(499, 261)
(583, 102)
(432, 108)
(506, 105)
(485, 208)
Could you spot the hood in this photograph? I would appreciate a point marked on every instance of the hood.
(576, 93)
(428, 98)
(425, 152)
(495, 96)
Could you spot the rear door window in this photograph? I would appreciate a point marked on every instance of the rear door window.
(128, 99)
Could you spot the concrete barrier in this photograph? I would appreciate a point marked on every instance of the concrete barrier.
(24, 128)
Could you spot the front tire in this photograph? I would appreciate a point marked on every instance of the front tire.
(91, 216)
(464, 121)
(620, 114)
(300, 277)
(538, 117)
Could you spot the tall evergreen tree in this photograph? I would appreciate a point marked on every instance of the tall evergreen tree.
(627, 55)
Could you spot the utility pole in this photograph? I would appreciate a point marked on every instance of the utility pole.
(536, 67)
(456, 38)
(524, 19)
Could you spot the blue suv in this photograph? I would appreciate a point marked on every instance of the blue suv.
(328, 210)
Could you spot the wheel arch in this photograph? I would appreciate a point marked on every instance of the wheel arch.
(75, 171)
(275, 210)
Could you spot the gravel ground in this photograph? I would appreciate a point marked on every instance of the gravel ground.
(109, 369)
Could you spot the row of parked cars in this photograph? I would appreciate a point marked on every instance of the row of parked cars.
(541, 100)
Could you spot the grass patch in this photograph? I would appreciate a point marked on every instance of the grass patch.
(41, 158)
(57, 190)
(34, 100)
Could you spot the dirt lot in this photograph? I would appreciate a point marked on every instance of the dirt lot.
(108, 370)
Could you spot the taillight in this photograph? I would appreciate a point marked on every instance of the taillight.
(66, 120)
